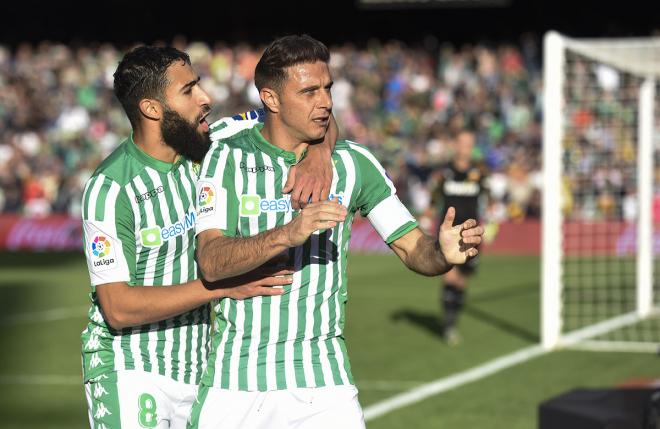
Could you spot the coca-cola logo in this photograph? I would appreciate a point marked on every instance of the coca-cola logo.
(52, 233)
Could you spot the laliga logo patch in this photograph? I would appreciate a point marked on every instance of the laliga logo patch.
(206, 196)
(206, 199)
(100, 246)
(103, 253)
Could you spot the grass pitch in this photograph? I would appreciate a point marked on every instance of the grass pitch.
(392, 333)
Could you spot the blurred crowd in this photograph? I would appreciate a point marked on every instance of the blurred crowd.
(600, 139)
(59, 117)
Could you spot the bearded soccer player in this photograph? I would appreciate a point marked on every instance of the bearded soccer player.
(280, 361)
(145, 346)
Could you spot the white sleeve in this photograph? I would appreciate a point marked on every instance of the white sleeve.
(390, 216)
(211, 206)
(212, 191)
(106, 260)
(104, 252)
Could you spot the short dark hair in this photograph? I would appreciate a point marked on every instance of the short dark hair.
(285, 52)
(142, 73)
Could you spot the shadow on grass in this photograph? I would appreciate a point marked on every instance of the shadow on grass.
(428, 321)
(432, 323)
(501, 294)
(502, 324)
(16, 297)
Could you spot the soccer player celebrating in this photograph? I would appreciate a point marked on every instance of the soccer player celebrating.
(145, 346)
(280, 361)
(461, 184)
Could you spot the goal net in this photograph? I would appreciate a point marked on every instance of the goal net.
(601, 203)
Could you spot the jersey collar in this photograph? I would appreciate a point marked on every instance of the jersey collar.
(146, 159)
(270, 149)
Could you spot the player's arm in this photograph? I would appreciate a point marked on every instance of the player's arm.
(398, 228)
(221, 252)
(220, 256)
(125, 306)
(109, 237)
(310, 180)
(429, 256)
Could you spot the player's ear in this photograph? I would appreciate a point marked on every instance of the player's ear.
(270, 98)
(151, 109)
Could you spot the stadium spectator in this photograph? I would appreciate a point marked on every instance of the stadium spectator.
(57, 109)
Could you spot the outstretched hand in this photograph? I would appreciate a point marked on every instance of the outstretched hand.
(459, 243)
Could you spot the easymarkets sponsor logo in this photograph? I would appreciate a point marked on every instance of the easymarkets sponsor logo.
(155, 236)
(254, 205)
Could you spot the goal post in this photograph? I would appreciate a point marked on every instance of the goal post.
(599, 145)
(551, 239)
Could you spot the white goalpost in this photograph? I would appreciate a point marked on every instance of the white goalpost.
(600, 135)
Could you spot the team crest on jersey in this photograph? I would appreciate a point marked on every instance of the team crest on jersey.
(196, 167)
(101, 248)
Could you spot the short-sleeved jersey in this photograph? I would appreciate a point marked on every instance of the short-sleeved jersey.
(138, 224)
(297, 339)
(461, 189)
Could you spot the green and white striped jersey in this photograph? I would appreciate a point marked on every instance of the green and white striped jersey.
(138, 223)
(297, 339)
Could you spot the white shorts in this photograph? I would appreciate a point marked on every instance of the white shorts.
(136, 399)
(328, 407)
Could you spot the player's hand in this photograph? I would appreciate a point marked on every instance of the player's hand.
(309, 181)
(458, 243)
(314, 217)
(267, 280)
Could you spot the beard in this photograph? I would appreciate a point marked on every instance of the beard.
(183, 137)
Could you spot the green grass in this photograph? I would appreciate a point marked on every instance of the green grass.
(392, 334)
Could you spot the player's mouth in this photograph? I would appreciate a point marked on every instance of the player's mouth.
(323, 120)
(203, 123)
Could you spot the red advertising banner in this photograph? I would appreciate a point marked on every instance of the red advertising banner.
(64, 233)
(61, 233)
(57, 232)
(580, 238)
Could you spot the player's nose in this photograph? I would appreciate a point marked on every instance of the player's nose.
(325, 100)
(203, 98)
